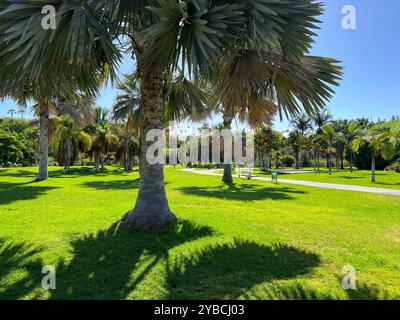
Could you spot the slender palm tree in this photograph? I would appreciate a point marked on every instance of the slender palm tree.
(330, 136)
(194, 35)
(11, 112)
(381, 142)
(351, 132)
(295, 140)
(69, 134)
(301, 123)
(320, 119)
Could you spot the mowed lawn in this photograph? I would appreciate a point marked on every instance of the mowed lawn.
(384, 179)
(249, 240)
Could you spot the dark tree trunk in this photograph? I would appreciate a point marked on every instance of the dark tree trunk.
(96, 162)
(69, 153)
(151, 210)
(373, 169)
(227, 177)
(297, 157)
(43, 142)
(351, 161)
(341, 162)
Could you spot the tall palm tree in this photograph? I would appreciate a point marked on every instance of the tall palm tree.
(194, 35)
(351, 132)
(301, 123)
(381, 141)
(320, 119)
(11, 112)
(330, 135)
(295, 140)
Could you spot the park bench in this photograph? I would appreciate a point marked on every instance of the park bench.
(245, 172)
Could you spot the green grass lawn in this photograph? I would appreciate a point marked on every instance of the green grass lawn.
(249, 240)
(384, 179)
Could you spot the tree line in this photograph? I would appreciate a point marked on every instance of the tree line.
(317, 140)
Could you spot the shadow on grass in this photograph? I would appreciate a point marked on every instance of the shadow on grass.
(244, 192)
(11, 192)
(111, 264)
(19, 257)
(19, 173)
(299, 292)
(228, 270)
(117, 184)
(103, 264)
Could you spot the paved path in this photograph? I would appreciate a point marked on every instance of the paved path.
(392, 192)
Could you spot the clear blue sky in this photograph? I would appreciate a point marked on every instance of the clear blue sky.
(370, 55)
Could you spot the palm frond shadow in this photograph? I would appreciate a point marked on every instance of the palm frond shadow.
(11, 192)
(226, 271)
(301, 292)
(244, 192)
(20, 257)
(103, 263)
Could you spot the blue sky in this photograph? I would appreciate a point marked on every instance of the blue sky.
(371, 84)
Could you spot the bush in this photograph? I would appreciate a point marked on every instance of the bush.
(287, 161)
(394, 167)
(204, 166)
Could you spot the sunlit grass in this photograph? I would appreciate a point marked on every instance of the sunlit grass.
(251, 239)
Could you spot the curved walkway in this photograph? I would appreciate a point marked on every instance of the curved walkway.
(392, 192)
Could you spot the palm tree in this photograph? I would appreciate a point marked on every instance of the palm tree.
(351, 132)
(127, 105)
(381, 141)
(301, 123)
(11, 112)
(320, 119)
(103, 139)
(340, 141)
(129, 146)
(193, 35)
(68, 134)
(330, 136)
(22, 110)
(295, 140)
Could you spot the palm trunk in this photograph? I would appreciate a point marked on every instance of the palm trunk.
(69, 156)
(151, 210)
(43, 142)
(351, 161)
(330, 161)
(341, 160)
(227, 177)
(96, 162)
(297, 158)
(373, 175)
(102, 157)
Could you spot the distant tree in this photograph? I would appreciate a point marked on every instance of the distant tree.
(330, 136)
(69, 134)
(295, 140)
(351, 132)
(11, 149)
(381, 141)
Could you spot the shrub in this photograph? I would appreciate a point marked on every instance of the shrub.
(394, 167)
(287, 160)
